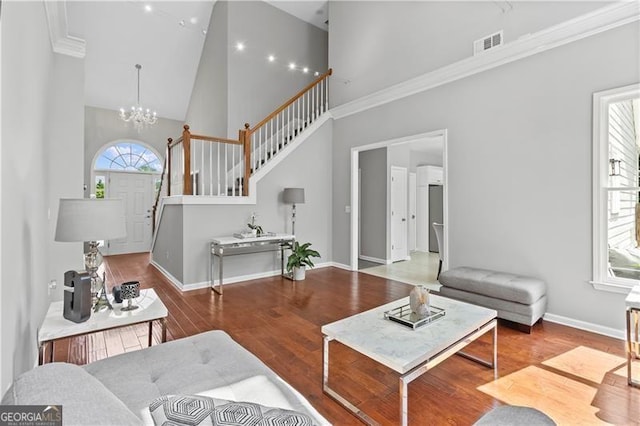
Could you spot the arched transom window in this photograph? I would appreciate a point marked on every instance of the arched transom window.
(128, 156)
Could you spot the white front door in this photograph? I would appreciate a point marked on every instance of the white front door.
(137, 191)
(398, 209)
(412, 211)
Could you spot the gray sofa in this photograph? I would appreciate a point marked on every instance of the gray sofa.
(522, 300)
(119, 389)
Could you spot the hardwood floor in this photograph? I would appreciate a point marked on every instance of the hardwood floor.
(576, 377)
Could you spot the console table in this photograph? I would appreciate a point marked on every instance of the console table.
(632, 303)
(55, 326)
(230, 246)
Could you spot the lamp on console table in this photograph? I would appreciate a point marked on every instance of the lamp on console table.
(92, 220)
(293, 196)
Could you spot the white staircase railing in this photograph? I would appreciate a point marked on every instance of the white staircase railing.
(206, 165)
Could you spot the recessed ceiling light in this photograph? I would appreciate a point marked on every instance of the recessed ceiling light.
(271, 58)
(193, 20)
(181, 23)
(239, 46)
(148, 8)
(305, 70)
(292, 66)
(204, 32)
(316, 73)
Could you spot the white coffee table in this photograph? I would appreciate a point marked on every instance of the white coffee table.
(55, 326)
(409, 352)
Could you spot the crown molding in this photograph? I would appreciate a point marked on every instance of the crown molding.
(61, 41)
(583, 26)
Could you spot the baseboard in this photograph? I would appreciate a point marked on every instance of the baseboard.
(340, 266)
(587, 326)
(173, 280)
(373, 259)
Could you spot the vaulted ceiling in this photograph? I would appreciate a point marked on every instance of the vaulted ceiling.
(165, 37)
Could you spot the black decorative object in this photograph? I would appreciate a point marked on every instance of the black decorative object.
(77, 296)
(129, 291)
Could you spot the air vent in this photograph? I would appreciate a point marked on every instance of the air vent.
(488, 42)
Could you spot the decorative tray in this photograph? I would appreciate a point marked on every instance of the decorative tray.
(243, 235)
(404, 316)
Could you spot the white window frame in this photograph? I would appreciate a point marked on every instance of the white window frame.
(601, 101)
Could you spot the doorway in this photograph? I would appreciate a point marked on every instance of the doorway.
(137, 191)
(356, 184)
(131, 170)
(398, 207)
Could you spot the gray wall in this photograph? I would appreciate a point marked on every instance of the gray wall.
(200, 223)
(208, 107)
(373, 199)
(233, 88)
(375, 44)
(103, 126)
(41, 160)
(257, 87)
(519, 162)
(169, 246)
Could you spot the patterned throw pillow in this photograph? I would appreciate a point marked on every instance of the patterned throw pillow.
(194, 410)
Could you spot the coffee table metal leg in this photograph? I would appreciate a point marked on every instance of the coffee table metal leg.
(335, 395)
(494, 358)
(404, 401)
(150, 332)
(51, 351)
(163, 323)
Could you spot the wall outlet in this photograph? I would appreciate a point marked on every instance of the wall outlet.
(347, 209)
(52, 285)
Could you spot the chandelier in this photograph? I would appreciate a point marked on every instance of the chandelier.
(139, 116)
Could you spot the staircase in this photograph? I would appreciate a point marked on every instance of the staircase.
(199, 165)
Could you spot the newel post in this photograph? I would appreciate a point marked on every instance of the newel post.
(187, 188)
(245, 139)
(168, 159)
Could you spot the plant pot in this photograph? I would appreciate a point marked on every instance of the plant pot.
(298, 273)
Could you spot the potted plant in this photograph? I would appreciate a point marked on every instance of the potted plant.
(299, 259)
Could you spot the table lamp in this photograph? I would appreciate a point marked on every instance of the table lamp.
(293, 196)
(92, 220)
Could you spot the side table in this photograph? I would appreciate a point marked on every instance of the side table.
(55, 326)
(632, 303)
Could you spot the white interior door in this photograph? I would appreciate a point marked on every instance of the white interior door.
(398, 209)
(137, 190)
(412, 211)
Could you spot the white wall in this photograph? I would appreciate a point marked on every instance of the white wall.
(208, 107)
(374, 44)
(41, 147)
(519, 160)
(103, 126)
(233, 88)
(256, 86)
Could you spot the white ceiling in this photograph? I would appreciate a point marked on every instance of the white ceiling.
(312, 11)
(120, 34)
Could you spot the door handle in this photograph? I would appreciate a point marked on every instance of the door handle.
(404, 220)
(413, 216)
(148, 217)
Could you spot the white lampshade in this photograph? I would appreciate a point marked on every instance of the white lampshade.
(293, 195)
(87, 219)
